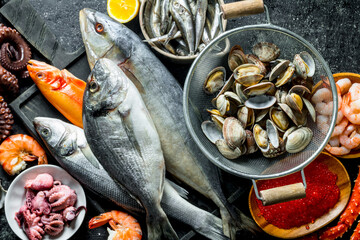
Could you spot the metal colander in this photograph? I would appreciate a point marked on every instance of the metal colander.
(196, 101)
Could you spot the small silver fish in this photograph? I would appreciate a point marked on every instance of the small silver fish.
(155, 18)
(200, 18)
(183, 17)
(122, 136)
(215, 27)
(166, 17)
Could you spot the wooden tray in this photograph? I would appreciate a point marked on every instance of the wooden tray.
(344, 185)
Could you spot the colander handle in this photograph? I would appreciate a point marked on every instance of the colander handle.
(282, 194)
(242, 8)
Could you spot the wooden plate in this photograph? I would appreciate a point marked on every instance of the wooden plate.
(344, 185)
(355, 78)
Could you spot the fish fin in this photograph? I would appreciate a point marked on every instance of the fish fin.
(76, 81)
(181, 191)
(132, 77)
(214, 228)
(89, 155)
(159, 228)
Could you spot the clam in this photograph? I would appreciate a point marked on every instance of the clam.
(246, 116)
(218, 120)
(295, 102)
(259, 89)
(260, 114)
(214, 112)
(287, 133)
(261, 137)
(240, 92)
(211, 131)
(256, 61)
(281, 95)
(304, 64)
(285, 76)
(272, 132)
(298, 140)
(260, 102)
(227, 152)
(274, 152)
(301, 118)
(225, 88)
(215, 80)
(231, 96)
(300, 90)
(250, 142)
(233, 132)
(222, 104)
(236, 57)
(279, 118)
(289, 113)
(310, 109)
(278, 69)
(247, 74)
(266, 51)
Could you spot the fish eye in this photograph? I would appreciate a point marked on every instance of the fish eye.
(93, 86)
(40, 75)
(99, 27)
(45, 132)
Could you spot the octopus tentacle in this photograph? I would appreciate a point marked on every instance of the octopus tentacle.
(54, 224)
(11, 35)
(9, 86)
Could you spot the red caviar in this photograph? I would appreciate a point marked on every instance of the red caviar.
(322, 194)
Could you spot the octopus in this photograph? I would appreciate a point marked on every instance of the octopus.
(48, 206)
(6, 118)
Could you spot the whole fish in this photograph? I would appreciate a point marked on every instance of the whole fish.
(163, 97)
(183, 17)
(62, 89)
(200, 18)
(155, 18)
(122, 136)
(166, 17)
(68, 145)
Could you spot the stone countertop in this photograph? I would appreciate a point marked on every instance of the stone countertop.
(332, 27)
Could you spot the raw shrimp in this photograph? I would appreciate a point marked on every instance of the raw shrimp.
(337, 150)
(18, 149)
(350, 138)
(322, 95)
(334, 141)
(339, 129)
(323, 123)
(125, 226)
(324, 108)
(344, 85)
(339, 117)
(351, 104)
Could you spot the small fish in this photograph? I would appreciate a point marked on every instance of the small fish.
(200, 18)
(183, 17)
(215, 27)
(62, 89)
(192, 5)
(205, 36)
(68, 145)
(155, 18)
(122, 136)
(166, 17)
(163, 97)
(164, 38)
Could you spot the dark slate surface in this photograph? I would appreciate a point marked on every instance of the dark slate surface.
(331, 26)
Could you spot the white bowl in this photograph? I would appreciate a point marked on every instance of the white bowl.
(15, 198)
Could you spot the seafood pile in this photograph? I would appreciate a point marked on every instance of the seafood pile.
(346, 135)
(123, 225)
(182, 27)
(260, 85)
(48, 206)
(18, 149)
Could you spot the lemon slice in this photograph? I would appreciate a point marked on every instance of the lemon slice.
(123, 10)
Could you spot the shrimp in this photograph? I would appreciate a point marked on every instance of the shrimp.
(337, 150)
(323, 124)
(322, 95)
(344, 85)
(339, 129)
(351, 141)
(126, 227)
(18, 149)
(339, 117)
(334, 141)
(324, 108)
(351, 104)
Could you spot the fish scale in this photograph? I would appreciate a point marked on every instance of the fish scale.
(163, 98)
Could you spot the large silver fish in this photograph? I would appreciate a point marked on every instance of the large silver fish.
(122, 136)
(163, 98)
(68, 145)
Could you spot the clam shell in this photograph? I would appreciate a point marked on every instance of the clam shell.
(250, 142)
(258, 89)
(278, 69)
(298, 140)
(246, 116)
(300, 90)
(279, 118)
(260, 102)
(310, 108)
(226, 151)
(236, 57)
(287, 133)
(231, 96)
(247, 74)
(274, 152)
(289, 113)
(260, 114)
(225, 88)
(233, 132)
(215, 80)
(240, 92)
(309, 60)
(295, 102)
(281, 96)
(261, 137)
(218, 120)
(256, 61)
(266, 51)
(211, 131)
(285, 76)
(272, 133)
(222, 104)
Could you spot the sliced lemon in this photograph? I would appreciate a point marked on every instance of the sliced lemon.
(123, 10)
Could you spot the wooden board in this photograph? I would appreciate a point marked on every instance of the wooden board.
(343, 182)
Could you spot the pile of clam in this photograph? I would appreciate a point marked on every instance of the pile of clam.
(263, 105)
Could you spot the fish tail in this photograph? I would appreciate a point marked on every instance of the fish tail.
(160, 228)
(211, 227)
(235, 221)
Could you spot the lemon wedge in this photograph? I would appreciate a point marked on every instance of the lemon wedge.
(123, 10)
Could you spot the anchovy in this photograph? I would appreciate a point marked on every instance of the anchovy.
(163, 97)
(192, 5)
(205, 36)
(122, 136)
(200, 18)
(166, 17)
(155, 18)
(164, 38)
(69, 147)
(215, 27)
(183, 17)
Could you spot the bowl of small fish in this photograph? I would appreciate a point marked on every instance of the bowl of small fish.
(180, 29)
(249, 101)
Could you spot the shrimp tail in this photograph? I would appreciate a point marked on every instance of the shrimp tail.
(160, 228)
